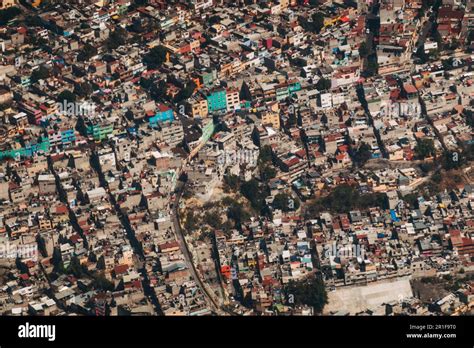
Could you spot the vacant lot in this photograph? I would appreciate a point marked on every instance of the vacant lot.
(359, 298)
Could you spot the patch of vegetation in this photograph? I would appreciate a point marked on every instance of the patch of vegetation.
(372, 67)
(255, 193)
(231, 183)
(40, 74)
(117, 38)
(100, 282)
(8, 14)
(411, 199)
(213, 219)
(236, 211)
(323, 84)
(425, 148)
(267, 172)
(156, 57)
(426, 167)
(285, 202)
(345, 198)
(310, 292)
(159, 91)
(442, 180)
(87, 52)
(363, 50)
(41, 245)
(316, 23)
(362, 154)
(265, 154)
(191, 222)
(66, 96)
(185, 92)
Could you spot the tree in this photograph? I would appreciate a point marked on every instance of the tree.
(186, 92)
(156, 57)
(437, 37)
(92, 257)
(191, 222)
(117, 38)
(267, 172)
(411, 199)
(21, 266)
(57, 261)
(363, 50)
(41, 245)
(102, 283)
(426, 167)
(323, 84)
(146, 83)
(66, 96)
(362, 154)
(139, 2)
(87, 52)
(247, 300)
(101, 263)
(232, 182)
(292, 119)
(158, 91)
(454, 44)
(318, 22)
(425, 148)
(309, 291)
(452, 160)
(83, 89)
(421, 54)
(324, 119)
(469, 115)
(285, 202)
(372, 66)
(33, 21)
(8, 14)
(249, 188)
(343, 199)
(255, 194)
(245, 93)
(213, 20)
(213, 219)
(469, 152)
(75, 267)
(237, 212)
(265, 154)
(57, 257)
(470, 37)
(40, 74)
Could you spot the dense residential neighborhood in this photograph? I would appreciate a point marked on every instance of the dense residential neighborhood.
(257, 157)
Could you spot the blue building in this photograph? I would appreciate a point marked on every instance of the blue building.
(164, 114)
(217, 100)
(68, 136)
